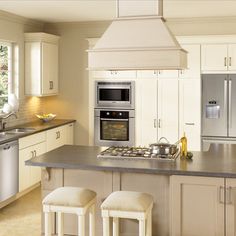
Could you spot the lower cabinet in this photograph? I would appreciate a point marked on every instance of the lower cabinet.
(60, 136)
(202, 206)
(29, 175)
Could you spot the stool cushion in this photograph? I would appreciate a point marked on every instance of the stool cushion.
(127, 201)
(69, 196)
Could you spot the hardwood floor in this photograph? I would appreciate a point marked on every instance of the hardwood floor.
(22, 217)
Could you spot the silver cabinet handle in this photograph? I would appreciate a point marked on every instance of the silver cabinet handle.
(221, 189)
(225, 61)
(57, 135)
(189, 123)
(230, 103)
(225, 99)
(159, 123)
(230, 60)
(35, 153)
(155, 123)
(50, 84)
(32, 154)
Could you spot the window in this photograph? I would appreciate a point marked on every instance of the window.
(5, 72)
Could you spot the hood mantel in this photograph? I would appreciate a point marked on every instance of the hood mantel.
(135, 43)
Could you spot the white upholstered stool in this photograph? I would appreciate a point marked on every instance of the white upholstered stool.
(130, 205)
(70, 200)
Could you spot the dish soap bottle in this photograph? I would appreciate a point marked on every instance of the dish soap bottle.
(184, 150)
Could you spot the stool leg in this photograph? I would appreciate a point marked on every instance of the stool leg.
(106, 226)
(60, 224)
(81, 225)
(142, 230)
(115, 226)
(48, 223)
(149, 224)
(92, 220)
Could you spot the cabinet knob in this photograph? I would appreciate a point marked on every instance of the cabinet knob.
(50, 84)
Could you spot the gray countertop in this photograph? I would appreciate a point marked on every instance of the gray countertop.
(38, 126)
(219, 161)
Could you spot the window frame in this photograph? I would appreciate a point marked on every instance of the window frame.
(10, 68)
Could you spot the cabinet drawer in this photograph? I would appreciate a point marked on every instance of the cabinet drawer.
(32, 140)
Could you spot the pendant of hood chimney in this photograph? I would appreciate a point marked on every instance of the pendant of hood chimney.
(138, 39)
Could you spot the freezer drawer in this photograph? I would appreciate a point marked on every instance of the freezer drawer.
(206, 142)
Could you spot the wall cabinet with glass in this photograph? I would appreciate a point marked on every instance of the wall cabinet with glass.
(41, 64)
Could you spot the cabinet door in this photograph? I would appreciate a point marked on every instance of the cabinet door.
(56, 138)
(49, 68)
(35, 171)
(168, 109)
(69, 134)
(146, 112)
(214, 57)
(232, 57)
(197, 206)
(115, 74)
(230, 207)
(24, 171)
(190, 112)
(194, 62)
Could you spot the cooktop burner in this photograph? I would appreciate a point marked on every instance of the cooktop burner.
(134, 153)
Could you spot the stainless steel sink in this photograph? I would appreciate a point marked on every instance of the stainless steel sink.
(20, 131)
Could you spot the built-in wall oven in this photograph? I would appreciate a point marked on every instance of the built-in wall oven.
(114, 113)
(114, 94)
(114, 127)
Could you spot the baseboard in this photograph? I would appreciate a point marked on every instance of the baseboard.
(18, 195)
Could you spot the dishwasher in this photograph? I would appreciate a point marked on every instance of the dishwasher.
(9, 170)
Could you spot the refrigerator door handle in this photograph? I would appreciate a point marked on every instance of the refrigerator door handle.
(225, 100)
(230, 103)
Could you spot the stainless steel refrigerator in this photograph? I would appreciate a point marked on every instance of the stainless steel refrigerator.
(218, 108)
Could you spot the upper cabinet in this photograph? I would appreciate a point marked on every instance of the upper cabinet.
(41, 64)
(218, 58)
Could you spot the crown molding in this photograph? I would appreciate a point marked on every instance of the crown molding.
(205, 20)
(19, 19)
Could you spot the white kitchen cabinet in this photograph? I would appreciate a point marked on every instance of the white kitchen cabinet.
(69, 134)
(197, 206)
(29, 175)
(41, 64)
(230, 207)
(60, 136)
(194, 62)
(190, 112)
(168, 109)
(218, 58)
(146, 112)
(126, 74)
(56, 137)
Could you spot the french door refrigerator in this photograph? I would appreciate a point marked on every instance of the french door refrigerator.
(218, 109)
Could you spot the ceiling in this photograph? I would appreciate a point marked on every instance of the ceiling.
(94, 10)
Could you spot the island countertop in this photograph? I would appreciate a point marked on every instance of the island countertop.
(218, 161)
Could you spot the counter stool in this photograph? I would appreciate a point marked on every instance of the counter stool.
(70, 200)
(129, 205)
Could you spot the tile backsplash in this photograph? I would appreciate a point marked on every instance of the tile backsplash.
(28, 107)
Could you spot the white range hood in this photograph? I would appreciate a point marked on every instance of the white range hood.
(138, 39)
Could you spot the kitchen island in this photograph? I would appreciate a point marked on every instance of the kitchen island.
(169, 182)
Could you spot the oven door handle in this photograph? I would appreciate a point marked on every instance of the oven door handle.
(104, 119)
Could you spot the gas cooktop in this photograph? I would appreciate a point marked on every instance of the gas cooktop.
(132, 153)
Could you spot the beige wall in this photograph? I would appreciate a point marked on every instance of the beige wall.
(73, 99)
(12, 30)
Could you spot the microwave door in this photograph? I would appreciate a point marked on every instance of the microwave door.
(214, 105)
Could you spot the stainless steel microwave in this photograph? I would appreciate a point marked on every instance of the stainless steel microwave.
(112, 94)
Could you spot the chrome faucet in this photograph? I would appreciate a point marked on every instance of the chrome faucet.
(2, 118)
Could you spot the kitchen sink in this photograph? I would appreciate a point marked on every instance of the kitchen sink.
(4, 135)
(20, 131)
